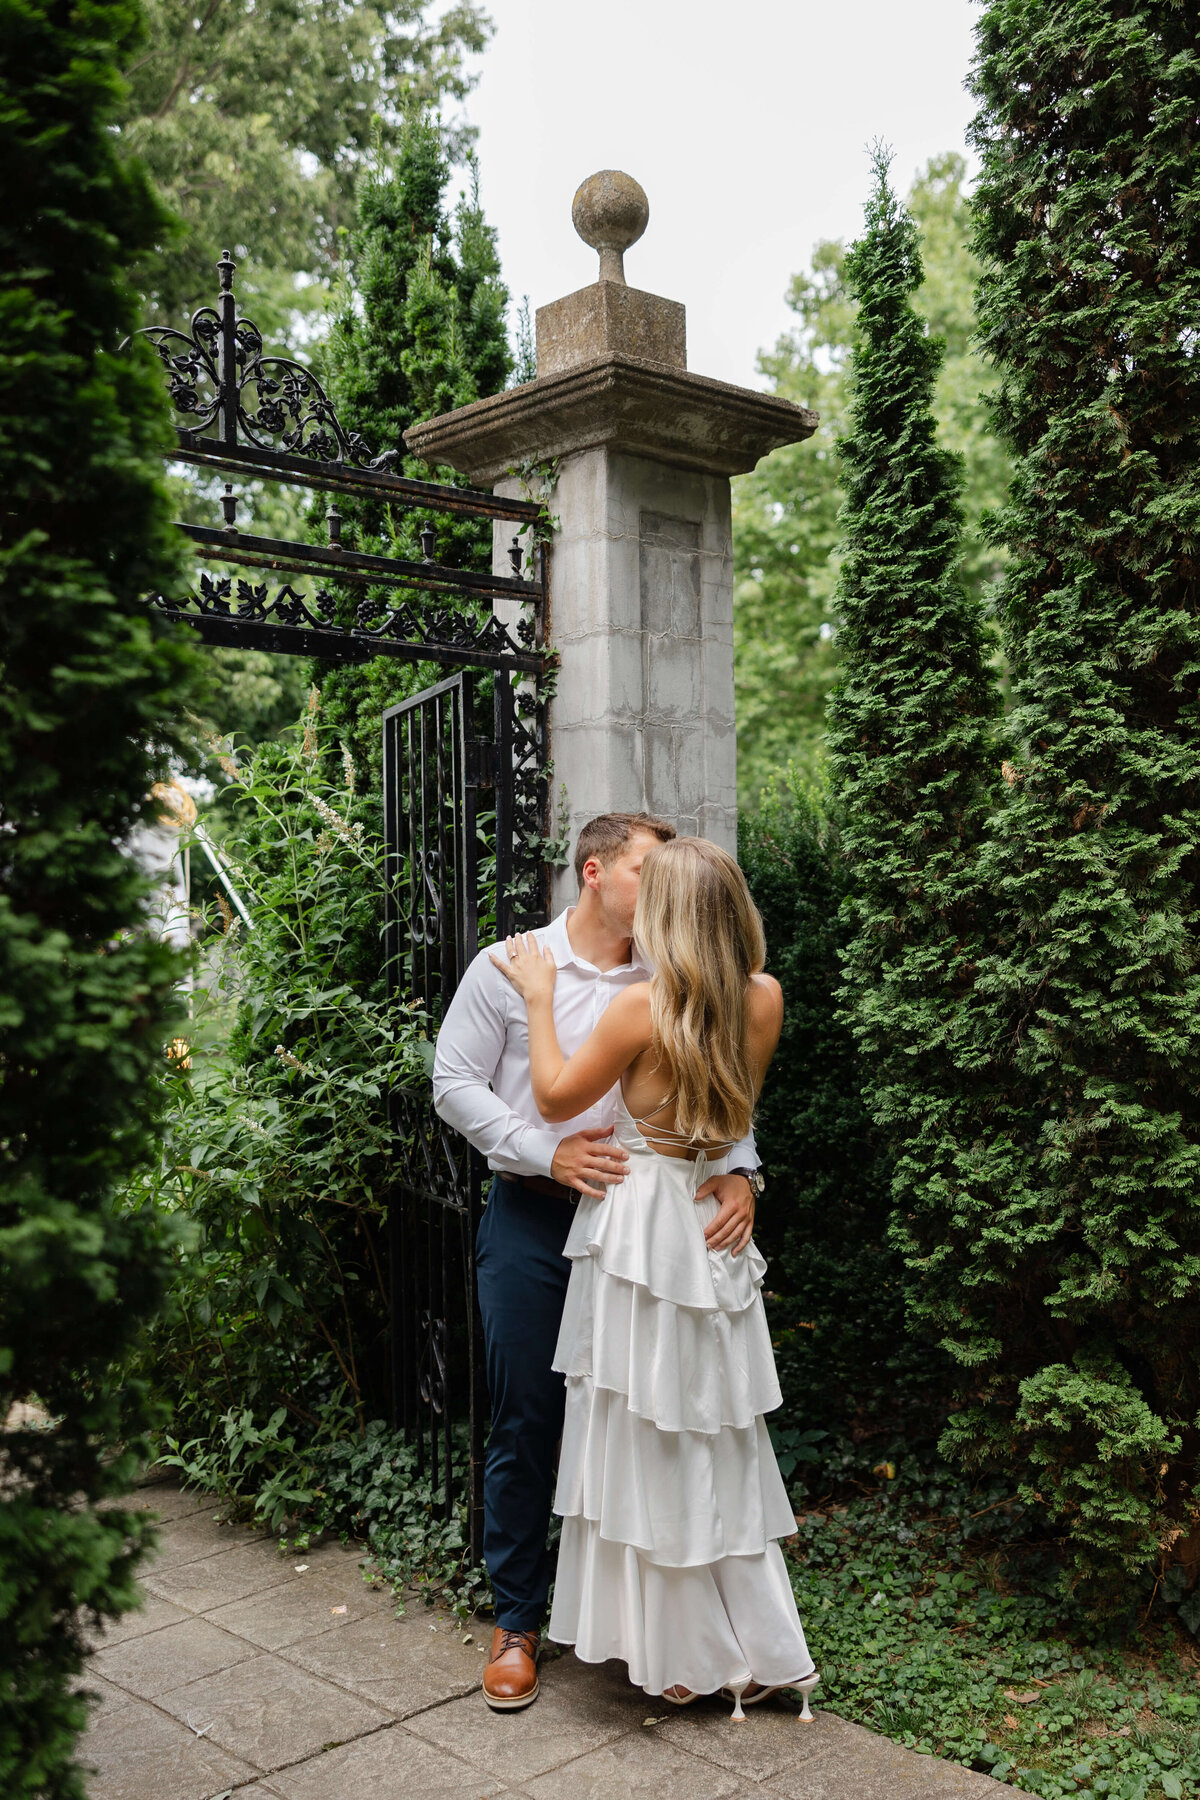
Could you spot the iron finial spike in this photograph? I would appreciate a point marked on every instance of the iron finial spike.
(428, 540)
(229, 506)
(516, 555)
(333, 520)
(225, 269)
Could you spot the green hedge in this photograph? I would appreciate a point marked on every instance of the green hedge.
(87, 684)
(847, 1360)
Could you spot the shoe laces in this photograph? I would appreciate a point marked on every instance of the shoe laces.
(515, 1640)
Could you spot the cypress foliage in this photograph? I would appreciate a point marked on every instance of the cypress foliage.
(837, 1305)
(911, 723)
(422, 331)
(1067, 1275)
(86, 683)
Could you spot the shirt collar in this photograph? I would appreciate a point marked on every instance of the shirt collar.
(560, 947)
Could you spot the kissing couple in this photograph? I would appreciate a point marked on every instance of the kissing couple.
(607, 1066)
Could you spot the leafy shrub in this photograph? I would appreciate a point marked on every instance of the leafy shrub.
(278, 1138)
(87, 684)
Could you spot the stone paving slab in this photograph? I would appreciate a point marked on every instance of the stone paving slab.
(234, 1574)
(637, 1766)
(402, 1665)
(170, 1658)
(103, 1698)
(771, 1739)
(310, 1605)
(138, 1754)
(240, 1676)
(578, 1710)
(271, 1714)
(167, 1501)
(151, 1616)
(852, 1763)
(392, 1765)
(196, 1535)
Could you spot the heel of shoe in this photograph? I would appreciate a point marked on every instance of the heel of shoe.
(737, 1689)
(804, 1689)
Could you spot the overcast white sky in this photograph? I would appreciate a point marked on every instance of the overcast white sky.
(746, 123)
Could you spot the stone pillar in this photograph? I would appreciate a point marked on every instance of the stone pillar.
(641, 569)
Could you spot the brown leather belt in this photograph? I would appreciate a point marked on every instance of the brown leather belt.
(542, 1184)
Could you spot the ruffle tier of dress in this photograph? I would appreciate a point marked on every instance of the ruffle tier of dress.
(671, 1498)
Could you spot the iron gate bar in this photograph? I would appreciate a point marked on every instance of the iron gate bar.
(218, 544)
(343, 646)
(338, 477)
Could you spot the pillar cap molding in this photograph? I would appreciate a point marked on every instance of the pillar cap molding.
(644, 409)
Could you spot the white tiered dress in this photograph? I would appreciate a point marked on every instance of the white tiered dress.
(671, 1499)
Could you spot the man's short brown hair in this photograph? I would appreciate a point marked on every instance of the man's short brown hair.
(605, 837)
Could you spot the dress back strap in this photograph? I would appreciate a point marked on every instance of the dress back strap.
(669, 1137)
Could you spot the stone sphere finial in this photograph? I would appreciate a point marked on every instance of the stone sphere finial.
(610, 211)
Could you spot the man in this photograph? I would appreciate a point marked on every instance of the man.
(481, 1087)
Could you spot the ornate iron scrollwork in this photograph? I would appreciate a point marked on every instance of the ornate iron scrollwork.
(468, 631)
(432, 1363)
(219, 374)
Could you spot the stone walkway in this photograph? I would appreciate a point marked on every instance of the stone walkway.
(269, 1678)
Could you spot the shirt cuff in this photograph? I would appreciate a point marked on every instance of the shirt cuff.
(537, 1151)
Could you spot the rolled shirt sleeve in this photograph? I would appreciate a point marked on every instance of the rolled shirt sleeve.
(744, 1155)
(469, 1047)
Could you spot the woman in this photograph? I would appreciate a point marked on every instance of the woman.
(670, 1496)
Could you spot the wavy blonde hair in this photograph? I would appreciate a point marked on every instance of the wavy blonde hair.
(702, 934)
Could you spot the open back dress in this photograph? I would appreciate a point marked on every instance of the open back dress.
(671, 1499)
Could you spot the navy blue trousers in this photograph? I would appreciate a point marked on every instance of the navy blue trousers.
(522, 1276)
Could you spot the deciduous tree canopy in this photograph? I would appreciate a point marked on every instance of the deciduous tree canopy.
(255, 118)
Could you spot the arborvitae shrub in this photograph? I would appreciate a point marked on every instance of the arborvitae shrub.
(910, 733)
(88, 688)
(836, 1286)
(1064, 1261)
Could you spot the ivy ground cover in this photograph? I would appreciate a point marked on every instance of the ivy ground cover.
(935, 1618)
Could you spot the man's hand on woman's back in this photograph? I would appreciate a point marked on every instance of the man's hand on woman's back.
(589, 1161)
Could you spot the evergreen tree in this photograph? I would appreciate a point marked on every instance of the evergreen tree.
(837, 1306)
(1066, 1272)
(786, 511)
(911, 726)
(87, 683)
(422, 330)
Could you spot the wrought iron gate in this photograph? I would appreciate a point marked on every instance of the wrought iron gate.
(465, 812)
(460, 812)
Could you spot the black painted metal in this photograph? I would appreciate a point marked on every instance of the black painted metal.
(464, 812)
(255, 415)
(458, 871)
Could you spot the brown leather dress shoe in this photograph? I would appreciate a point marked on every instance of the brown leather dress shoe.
(510, 1680)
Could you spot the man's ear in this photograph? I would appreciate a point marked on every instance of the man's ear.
(591, 872)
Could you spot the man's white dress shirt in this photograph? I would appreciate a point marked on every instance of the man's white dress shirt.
(481, 1083)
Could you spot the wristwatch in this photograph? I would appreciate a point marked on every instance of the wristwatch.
(755, 1178)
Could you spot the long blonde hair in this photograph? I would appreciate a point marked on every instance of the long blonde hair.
(701, 932)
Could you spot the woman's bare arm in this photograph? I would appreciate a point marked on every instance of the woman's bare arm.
(562, 1089)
